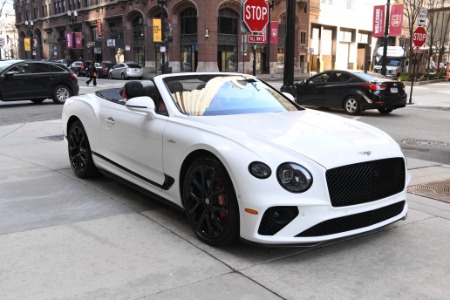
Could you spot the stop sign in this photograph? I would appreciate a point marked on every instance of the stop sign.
(256, 14)
(419, 36)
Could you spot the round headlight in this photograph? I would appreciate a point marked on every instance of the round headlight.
(294, 178)
(259, 170)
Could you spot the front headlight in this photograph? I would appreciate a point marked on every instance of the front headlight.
(294, 177)
(259, 170)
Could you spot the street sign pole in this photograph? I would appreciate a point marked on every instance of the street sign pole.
(419, 38)
(413, 76)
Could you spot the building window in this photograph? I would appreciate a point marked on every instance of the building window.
(228, 21)
(188, 22)
(302, 38)
(227, 56)
(138, 41)
(189, 57)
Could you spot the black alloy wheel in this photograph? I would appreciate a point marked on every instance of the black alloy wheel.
(80, 154)
(210, 202)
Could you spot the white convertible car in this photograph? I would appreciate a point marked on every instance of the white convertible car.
(240, 158)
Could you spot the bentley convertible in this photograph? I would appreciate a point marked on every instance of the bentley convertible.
(240, 158)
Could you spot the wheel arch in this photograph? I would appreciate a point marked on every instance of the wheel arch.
(188, 161)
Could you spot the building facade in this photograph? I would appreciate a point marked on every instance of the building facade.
(8, 36)
(203, 35)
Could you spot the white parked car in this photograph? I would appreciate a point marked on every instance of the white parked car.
(240, 158)
(126, 71)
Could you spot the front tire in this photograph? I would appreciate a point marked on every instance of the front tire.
(210, 202)
(80, 154)
(352, 105)
(122, 76)
(61, 93)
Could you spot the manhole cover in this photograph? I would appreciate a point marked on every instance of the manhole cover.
(424, 143)
(439, 190)
(58, 137)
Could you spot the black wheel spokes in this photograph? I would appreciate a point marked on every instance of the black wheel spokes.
(205, 211)
(77, 149)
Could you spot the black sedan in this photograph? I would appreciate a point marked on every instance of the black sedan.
(354, 91)
(36, 81)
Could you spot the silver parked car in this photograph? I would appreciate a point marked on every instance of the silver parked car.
(126, 70)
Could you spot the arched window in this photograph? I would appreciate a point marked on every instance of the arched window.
(188, 36)
(228, 21)
(138, 40)
(188, 18)
(228, 24)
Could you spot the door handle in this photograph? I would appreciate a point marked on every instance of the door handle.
(110, 121)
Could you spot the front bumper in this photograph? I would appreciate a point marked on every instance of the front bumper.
(318, 224)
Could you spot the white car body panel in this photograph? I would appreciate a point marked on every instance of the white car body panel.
(145, 148)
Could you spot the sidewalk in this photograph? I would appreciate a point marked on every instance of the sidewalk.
(66, 238)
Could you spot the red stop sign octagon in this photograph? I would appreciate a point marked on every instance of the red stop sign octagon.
(419, 36)
(256, 14)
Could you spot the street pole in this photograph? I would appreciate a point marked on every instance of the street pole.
(289, 42)
(271, 5)
(412, 80)
(386, 35)
(163, 39)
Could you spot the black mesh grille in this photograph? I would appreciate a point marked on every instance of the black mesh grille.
(352, 222)
(365, 182)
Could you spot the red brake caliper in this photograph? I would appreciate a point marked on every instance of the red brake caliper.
(221, 200)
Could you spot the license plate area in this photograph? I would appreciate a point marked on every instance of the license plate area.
(394, 90)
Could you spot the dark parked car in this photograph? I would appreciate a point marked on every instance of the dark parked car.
(36, 81)
(354, 91)
(80, 67)
(103, 69)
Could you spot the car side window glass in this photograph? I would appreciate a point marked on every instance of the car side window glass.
(323, 78)
(20, 69)
(41, 68)
(342, 77)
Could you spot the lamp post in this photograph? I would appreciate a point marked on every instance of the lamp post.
(29, 25)
(162, 48)
(72, 17)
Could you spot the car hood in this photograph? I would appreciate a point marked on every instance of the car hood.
(327, 139)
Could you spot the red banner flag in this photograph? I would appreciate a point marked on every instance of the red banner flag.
(378, 21)
(273, 32)
(78, 40)
(69, 40)
(396, 20)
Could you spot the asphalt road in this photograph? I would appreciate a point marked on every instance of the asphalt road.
(419, 129)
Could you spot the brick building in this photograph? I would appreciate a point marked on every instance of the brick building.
(203, 35)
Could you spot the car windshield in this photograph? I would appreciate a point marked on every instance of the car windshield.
(4, 64)
(206, 95)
